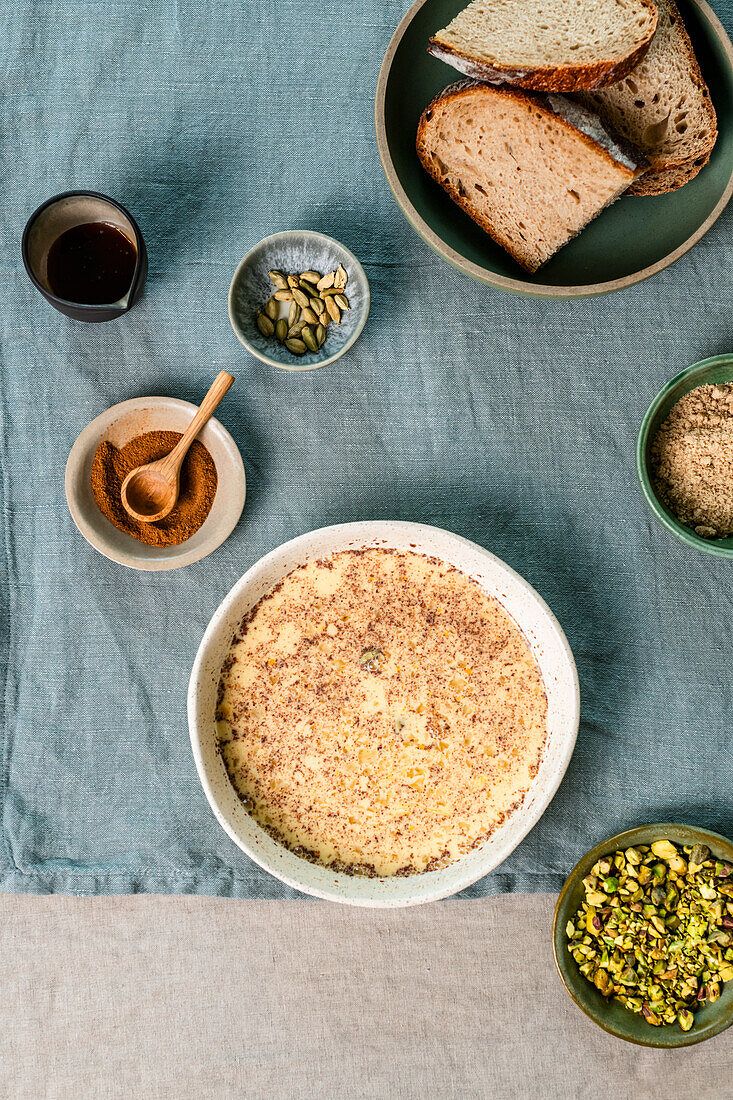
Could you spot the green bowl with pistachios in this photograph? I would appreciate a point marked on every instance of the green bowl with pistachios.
(643, 935)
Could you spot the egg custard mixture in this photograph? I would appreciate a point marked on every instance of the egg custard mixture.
(379, 713)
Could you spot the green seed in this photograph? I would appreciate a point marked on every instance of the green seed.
(311, 276)
(278, 279)
(340, 277)
(301, 297)
(309, 316)
(369, 658)
(272, 309)
(296, 346)
(320, 335)
(265, 325)
(309, 338)
(341, 301)
(281, 329)
(293, 313)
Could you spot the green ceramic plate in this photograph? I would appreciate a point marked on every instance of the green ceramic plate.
(610, 1015)
(633, 239)
(709, 372)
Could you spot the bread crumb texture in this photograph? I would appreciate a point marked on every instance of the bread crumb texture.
(692, 460)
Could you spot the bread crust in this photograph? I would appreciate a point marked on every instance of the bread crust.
(561, 78)
(668, 175)
(662, 181)
(460, 88)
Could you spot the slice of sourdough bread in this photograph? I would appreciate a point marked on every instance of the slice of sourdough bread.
(531, 170)
(664, 107)
(548, 45)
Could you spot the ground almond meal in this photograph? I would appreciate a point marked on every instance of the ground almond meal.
(379, 713)
(692, 460)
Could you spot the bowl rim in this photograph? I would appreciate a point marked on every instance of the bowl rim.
(377, 529)
(94, 429)
(683, 533)
(483, 274)
(274, 238)
(612, 843)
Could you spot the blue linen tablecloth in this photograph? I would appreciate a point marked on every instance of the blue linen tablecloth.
(510, 421)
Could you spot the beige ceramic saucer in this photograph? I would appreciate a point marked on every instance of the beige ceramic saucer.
(119, 425)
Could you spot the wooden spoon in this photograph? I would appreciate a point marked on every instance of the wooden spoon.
(150, 492)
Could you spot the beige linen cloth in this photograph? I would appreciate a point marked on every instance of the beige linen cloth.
(192, 998)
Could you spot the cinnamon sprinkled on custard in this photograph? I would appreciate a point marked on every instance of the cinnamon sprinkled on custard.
(379, 713)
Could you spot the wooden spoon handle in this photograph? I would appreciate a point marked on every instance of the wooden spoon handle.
(205, 411)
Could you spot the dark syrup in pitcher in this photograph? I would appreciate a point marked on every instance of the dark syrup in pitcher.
(92, 264)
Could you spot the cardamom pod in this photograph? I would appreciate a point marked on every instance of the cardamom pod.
(284, 296)
(272, 309)
(341, 278)
(296, 329)
(320, 335)
(341, 301)
(334, 310)
(265, 325)
(293, 280)
(310, 316)
(317, 305)
(281, 329)
(293, 313)
(300, 297)
(278, 279)
(296, 346)
(308, 337)
(311, 276)
(323, 317)
(326, 281)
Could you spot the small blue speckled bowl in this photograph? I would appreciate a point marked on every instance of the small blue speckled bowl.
(293, 252)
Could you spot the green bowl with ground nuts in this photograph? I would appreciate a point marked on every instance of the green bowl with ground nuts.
(657, 930)
(717, 370)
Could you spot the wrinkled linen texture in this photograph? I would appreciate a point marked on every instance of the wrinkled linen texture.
(508, 420)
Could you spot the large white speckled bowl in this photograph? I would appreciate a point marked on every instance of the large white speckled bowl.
(294, 251)
(529, 611)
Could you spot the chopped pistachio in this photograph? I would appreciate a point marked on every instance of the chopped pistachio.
(664, 849)
(655, 930)
(685, 1019)
(699, 855)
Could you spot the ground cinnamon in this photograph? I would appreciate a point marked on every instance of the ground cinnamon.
(111, 466)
